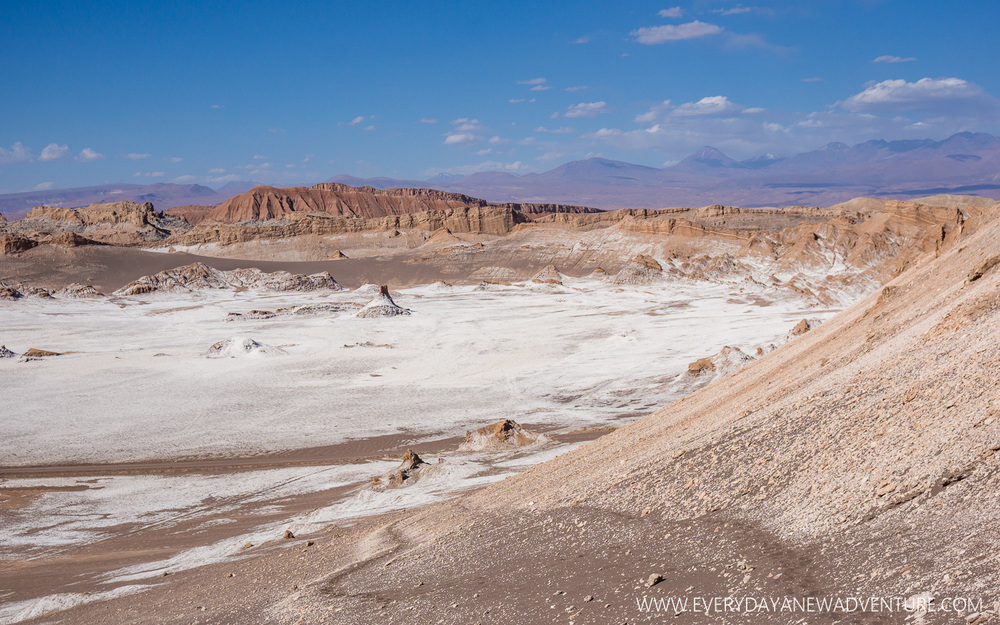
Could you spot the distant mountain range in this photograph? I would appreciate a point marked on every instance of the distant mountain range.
(967, 163)
(163, 195)
(963, 163)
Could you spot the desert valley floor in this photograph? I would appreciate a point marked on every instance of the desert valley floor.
(229, 403)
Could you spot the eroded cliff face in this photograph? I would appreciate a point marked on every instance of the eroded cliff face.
(269, 203)
(117, 223)
(479, 220)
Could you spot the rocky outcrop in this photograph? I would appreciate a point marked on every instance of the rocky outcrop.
(15, 243)
(407, 472)
(19, 290)
(200, 276)
(119, 223)
(71, 239)
(78, 291)
(6, 353)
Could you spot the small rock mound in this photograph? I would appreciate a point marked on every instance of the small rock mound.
(548, 275)
(38, 354)
(382, 306)
(71, 239)
(6, 353)
(442, 236)
(79, 291)
(640, 270)
(800, 328)
(506, 434)
(8, 292)
(337, 254)
(242, 347)
(403, 475)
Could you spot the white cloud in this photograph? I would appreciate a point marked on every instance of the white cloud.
(464, 130)
(173, 159)
(716, 105)
(484, 152)
(45, 186)
(533, 81)
(586, 109)
(711, 106)
(734, 11)
(16, 154)
(135, 156)
(947, 95)
(53, 152)
(464, 124)
(357, 120)
(259, 157)
(218, 106)
(888, 58)
(556, 131)
(369, 128)
(675, 32)
(217, 170)
(460, 138)
(520, 100)
(812, 79)
(87, 155)
(583, 39)
(148, 174)
(576, 88)
(540, 88)
(428, 120)
(673, 12)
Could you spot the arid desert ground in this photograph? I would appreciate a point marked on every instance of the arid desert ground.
(602, 417)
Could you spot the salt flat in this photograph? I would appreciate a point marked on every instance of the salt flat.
(140, 385)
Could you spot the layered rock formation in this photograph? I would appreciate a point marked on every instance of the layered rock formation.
(118, 223)
(268, 203)
(481, 220)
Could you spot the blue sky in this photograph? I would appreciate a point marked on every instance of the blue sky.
(295, 92)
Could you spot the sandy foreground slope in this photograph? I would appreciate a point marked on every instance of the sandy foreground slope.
(857, 461)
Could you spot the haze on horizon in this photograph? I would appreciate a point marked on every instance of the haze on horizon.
(216, 92)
